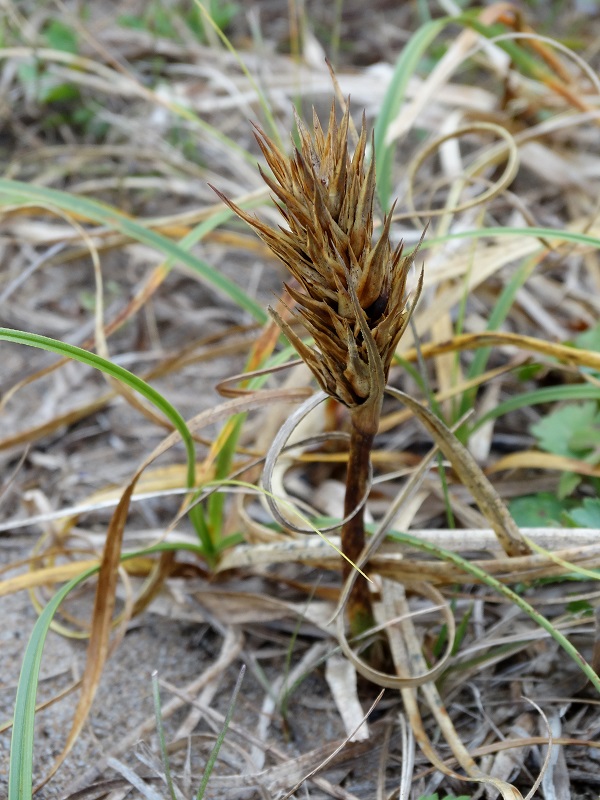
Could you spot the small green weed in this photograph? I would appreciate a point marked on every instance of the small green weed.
(60, 36)
(160, 20)
(45, 86)
(210, 764)
(62, 101)
(571, 431)
(539, 510)
(586, 515)
(447, 797)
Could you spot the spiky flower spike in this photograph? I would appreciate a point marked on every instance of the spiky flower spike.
(351, 298)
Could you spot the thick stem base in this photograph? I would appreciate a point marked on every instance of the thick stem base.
(359, 608)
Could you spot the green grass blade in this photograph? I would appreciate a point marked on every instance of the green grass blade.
(210, 764)
(513, 597)
(529, 65)
(550, 394)
(16, 192)
(21, 752)
(161, 736)
(115, 371)
(224, 461)
(499, 313)
(393, 100)
(407, 65)
(226, 455)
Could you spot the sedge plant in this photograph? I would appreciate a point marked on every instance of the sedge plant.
(350, 296)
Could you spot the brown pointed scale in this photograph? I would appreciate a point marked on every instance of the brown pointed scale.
(319, 136)
(377, 266)
(275, 159)
(362, 223)
(336, 172)
(357, 185)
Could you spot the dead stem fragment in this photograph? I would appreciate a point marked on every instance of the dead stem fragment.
(350, 292)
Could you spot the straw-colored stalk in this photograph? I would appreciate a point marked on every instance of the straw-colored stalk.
(350, 294)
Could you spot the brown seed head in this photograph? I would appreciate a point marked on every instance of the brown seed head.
(351, 296)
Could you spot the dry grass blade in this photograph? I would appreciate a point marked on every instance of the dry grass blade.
(403, 681)
(279, 443)
(399, 563)
(149, 287)
(471, 475)
(335, 752)
(535, 459)
(342, 681)
(406, 649)
(146, 791)
(37, 432)
(508, 175)
(101, 624)
(472, 341)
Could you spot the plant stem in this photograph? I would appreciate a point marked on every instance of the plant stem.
(359, 609)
